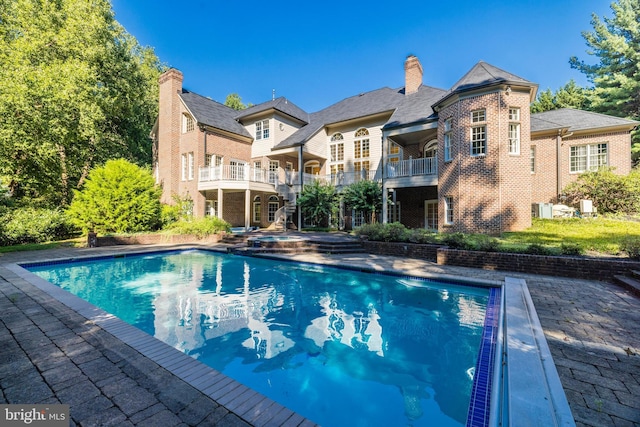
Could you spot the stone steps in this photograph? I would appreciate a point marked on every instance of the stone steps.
(631, 282)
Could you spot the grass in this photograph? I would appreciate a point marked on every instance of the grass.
(602, 235)
(70, 243)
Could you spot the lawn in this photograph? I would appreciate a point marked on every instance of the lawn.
(602, 235)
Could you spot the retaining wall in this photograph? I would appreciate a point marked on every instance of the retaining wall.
(565, 266)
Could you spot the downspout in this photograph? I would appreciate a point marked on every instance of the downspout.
(558, 179)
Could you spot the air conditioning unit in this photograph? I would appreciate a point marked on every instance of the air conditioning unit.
(586, 207)
(542, 210)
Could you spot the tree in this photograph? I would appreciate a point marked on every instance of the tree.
(615, 42)
(118, 197)
(365, 196)
(610, 193)
(75, 91)
(569, 96)
(234, 101)
(318, 201)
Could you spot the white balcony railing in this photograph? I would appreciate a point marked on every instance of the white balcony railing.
(412, 167)
(237, 173)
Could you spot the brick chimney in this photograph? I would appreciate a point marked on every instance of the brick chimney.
(412, 75)
(168, 137)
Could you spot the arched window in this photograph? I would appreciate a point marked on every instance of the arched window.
(312, 167)
(361, 154)
(336, 154)
(430, 148)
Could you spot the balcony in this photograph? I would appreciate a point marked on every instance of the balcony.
(236, 177)
(412, 172)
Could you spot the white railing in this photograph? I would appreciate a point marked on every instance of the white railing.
(412, 167)
(237, 173)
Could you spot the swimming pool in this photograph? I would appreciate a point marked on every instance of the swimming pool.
(340, 347)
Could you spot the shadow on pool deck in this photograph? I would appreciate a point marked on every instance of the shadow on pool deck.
(49, 353)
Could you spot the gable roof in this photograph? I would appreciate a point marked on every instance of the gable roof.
(577, 120)
(416, 108)
(362, 105)
(212, 113)
(484, 75)
(280, 104)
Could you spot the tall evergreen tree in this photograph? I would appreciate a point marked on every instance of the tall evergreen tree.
(615, 42)
(75, 91)
(568, 96)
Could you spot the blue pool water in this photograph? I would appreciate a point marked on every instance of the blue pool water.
(340, 347)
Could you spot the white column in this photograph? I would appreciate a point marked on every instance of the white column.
(247, 209)
(385, 208)
(220, 198)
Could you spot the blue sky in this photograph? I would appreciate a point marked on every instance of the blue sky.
(317, 53)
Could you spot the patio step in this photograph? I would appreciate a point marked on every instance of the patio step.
(632, 284)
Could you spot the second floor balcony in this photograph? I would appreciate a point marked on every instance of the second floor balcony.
(236, 176)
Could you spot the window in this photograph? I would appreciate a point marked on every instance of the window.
(431, 214)
(514, 131)
(188, 123)
(183, 158)
(190, 165)
(478, 116)
(262, 129)
(448, 210)
(447, 140)
(274, 166)
(212, 160)
(533, 159)
(479, 141)
(361, 151)
(273, 206)
(588, 157)
(210, 207)
(478, 133)
(257, 209)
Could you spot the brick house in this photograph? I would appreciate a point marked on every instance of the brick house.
(471, 158)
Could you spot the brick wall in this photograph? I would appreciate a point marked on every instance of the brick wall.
(489, 195)
(151, 239)
(565, 266)
(544, 180)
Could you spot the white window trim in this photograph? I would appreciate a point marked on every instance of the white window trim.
(516, 151)
(589, 157)
(191, 165)
(183, 164)
(262, 129)
(485, 144)
(448, 207)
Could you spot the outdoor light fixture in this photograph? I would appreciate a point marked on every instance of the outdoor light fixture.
(508, 90)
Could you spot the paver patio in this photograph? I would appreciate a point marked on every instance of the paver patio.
(50, 353)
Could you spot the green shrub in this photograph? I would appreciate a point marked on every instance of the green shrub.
(487, 244)
(631, 245)
(374, 232)
(571, 249)
(33, 225)
(118, 197)
(421, 235)
(394, 232)
(538, 249)
(610, 193)
(200, 227)
(456, 241)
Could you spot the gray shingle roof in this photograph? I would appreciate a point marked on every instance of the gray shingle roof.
(482, 75)
(365, 104)
(281, 104)
(416, 107)
(212, 113)
(576, 120)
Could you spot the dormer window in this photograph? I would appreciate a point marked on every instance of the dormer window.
(188, 124)
(262, 129)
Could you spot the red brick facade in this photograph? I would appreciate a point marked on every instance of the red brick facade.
(487, 191)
